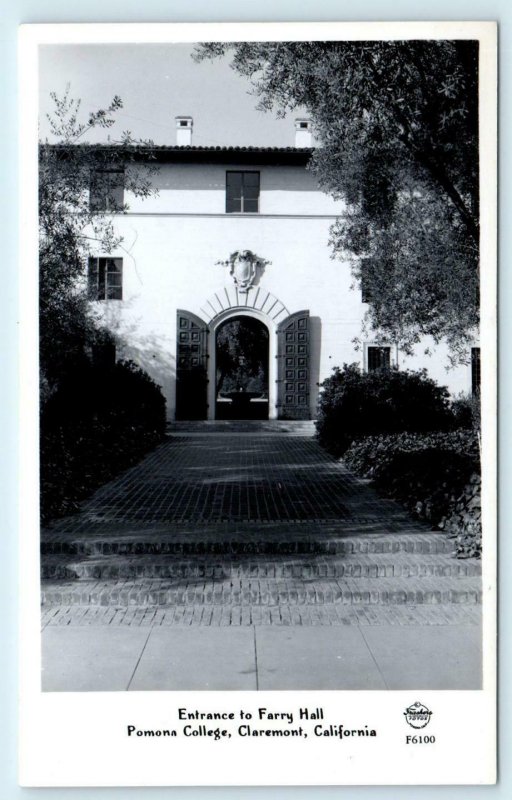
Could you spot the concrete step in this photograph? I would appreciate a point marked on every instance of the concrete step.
(295, 540)
(262, 591)
(358, 565)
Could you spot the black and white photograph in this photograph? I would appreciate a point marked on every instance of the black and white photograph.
(263, 375)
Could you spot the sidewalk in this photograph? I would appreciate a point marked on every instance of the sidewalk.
(261, 658)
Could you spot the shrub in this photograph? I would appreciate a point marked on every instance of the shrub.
(464, 523)
(466, 411)
(121, 394)
(354, 404)
(101, 420)
(425, 472)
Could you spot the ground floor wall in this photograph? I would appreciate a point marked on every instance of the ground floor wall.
(172, 264)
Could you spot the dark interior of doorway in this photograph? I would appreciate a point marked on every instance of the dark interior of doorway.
(241, 369)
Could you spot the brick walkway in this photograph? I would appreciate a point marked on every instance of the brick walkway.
(249, 528)
(225, 477)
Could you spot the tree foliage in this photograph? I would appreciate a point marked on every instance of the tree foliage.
(69, 228)
(397, 127)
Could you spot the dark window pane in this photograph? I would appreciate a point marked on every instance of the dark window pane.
(101, 279)
(114, 265)
(251, 192)
(251, 179)
(234, 181)
(114, 292)
(115, 198)
(233, 204)
(379, 358)
(233, 192)
(250, 205)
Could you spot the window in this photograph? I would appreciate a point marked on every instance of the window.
(378, 358)
(105, 278)
(475, 370)
(242, 192)
(107, 190)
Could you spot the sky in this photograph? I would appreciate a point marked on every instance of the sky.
(157, 83)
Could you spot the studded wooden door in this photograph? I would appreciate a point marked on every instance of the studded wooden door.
(191, 366)
(293, 367)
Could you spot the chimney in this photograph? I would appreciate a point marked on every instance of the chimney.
(303, 136)
(184, 131)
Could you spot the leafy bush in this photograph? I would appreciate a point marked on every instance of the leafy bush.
(425, 472)
(121, 394)
(464, 523)
(101, 420)
(354, 404)
(466, 411)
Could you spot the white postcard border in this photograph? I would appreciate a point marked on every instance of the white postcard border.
(72, 724)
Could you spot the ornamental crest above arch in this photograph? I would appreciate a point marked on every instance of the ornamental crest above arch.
(246, 268)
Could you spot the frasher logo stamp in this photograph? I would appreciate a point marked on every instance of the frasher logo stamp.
(417, 715)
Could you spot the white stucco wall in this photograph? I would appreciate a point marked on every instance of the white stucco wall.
(201, 189)
(171, 243)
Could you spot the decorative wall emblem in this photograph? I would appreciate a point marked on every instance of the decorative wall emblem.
(245, 267)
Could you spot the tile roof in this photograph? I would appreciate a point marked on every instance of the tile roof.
(185, 148)
(191, 153)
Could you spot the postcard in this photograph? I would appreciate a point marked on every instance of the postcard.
(258, 446)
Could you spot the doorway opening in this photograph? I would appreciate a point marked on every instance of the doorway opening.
(241, 369)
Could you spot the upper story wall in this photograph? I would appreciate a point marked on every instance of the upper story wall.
(200, 188)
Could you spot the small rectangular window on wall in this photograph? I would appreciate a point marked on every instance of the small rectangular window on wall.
(378, 358)
(105, 279)
(107, 190)
(242, 192)
(475, 370)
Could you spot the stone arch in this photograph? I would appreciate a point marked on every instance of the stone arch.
(230, 302)
(257, 299)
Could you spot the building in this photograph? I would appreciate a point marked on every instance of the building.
(238, 233)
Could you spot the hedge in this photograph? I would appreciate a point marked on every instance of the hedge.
(354, 404)
(100, 421)
(434, 476)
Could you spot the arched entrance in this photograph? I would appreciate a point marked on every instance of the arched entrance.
(284, 362)
(242, 368)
